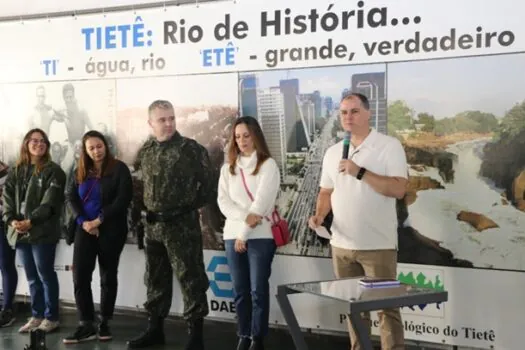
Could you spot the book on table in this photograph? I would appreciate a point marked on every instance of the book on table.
(379, 282)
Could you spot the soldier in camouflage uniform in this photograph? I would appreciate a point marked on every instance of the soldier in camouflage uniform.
(177, 182)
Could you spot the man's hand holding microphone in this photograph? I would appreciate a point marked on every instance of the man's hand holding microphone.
(346, 165)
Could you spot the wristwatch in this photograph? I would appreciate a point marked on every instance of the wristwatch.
(360, 173)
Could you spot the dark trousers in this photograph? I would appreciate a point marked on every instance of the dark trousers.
(39, 266)
(86, 249)
(170, 250)
(8, 269)
(250, 273)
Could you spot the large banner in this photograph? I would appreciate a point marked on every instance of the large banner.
(254, 35)
(448, 83)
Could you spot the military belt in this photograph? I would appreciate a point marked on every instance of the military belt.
(162, 216)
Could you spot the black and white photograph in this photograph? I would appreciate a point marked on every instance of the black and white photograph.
(63, 110)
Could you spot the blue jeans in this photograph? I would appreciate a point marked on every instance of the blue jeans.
(250, 273)
(8, 269)
(39, 266)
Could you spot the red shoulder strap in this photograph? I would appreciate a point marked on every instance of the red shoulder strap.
(245, 185)
(275, 213)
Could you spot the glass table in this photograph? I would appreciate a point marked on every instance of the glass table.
(359, 298)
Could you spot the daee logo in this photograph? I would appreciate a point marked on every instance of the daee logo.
(220, 283)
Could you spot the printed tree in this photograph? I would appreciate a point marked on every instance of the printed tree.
(421, 281)
(407, 279)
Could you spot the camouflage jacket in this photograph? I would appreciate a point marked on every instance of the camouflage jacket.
(177, 175)
(44, 200)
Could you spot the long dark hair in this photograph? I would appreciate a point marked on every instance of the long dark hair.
(256, 133)
(25, 157)
(86, 164)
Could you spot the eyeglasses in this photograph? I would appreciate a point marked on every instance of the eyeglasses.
(37, 141)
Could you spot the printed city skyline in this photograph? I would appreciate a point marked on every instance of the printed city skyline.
(291, 104)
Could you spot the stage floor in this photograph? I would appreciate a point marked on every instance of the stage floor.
(218, 335)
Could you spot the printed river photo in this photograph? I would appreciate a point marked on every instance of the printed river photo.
(436, 213)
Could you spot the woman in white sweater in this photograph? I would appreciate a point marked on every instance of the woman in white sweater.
(248, 188)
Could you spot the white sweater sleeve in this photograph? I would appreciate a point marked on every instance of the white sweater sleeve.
(228, 207)
(267, 189)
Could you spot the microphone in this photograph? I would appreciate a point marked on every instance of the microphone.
(346, 144)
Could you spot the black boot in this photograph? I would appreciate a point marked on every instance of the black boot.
(195, 329)
(257, 344)
(153, 335)
(244, 343)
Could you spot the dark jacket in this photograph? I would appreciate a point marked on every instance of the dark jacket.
(44, 199)
(116, 193)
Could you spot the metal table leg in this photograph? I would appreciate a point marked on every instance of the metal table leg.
(362, 332)
(289, 317)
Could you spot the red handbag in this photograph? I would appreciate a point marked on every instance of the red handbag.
(280, 231)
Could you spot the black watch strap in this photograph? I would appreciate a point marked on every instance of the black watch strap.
(360, 173)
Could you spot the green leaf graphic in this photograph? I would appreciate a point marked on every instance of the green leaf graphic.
(421, 281)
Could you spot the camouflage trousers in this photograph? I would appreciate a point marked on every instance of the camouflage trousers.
(175, 248)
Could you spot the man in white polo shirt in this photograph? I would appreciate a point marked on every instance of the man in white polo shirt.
(361, 191)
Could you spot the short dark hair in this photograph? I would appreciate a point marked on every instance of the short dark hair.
(161, 104)
(68, 87)
(361, 97)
